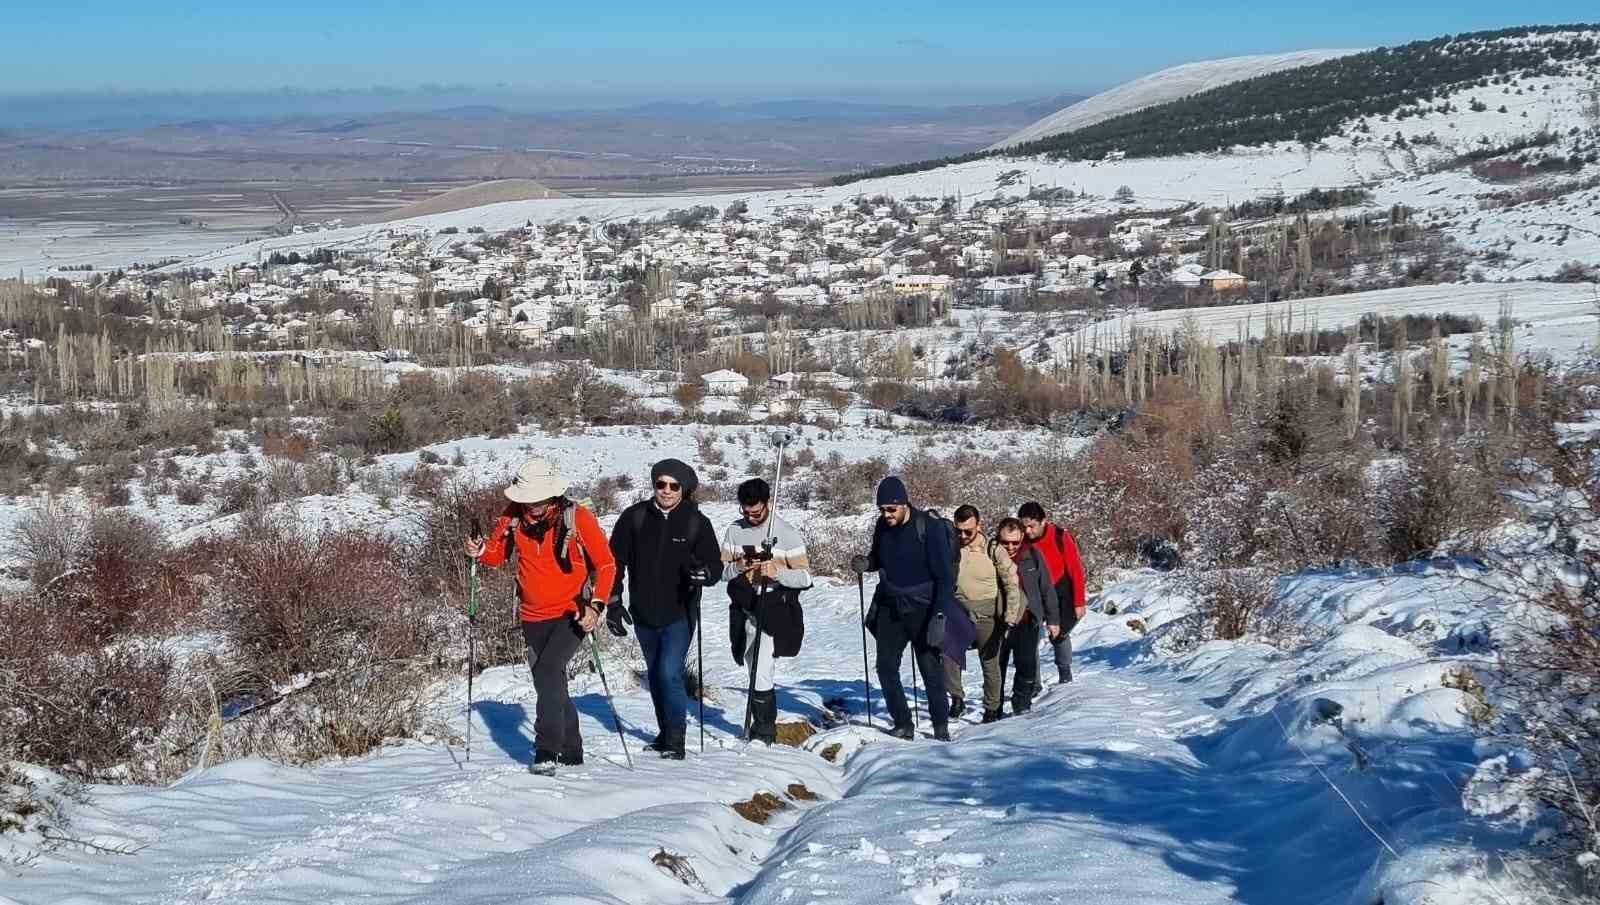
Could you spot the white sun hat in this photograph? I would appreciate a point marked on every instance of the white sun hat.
(536, 480)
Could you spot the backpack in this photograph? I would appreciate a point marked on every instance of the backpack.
(568, 532)
(921, 520)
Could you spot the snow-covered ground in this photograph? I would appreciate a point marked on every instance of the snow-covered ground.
(1230, 773)
(1556, 320)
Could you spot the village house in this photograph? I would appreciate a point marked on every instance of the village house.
(1218, 280)
(725, 383)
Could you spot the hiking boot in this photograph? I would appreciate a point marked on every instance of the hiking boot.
(992, 716)
(941, 732)
(672, 746)
(1066, 677)
(1020, 707)
(764, 717)
(958, 706)
(904, 731)
(570, 760)
(544, 764)
(657, 743)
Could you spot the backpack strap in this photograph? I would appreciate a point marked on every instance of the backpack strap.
(919, 520)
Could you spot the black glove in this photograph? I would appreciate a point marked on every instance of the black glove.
(936, 630)
(859, 563)
(698, 574)
(618, 620)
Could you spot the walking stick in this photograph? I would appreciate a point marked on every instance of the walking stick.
(472, 632)
(916, 712)
(866, 682)
(700, 644)
(594, 651)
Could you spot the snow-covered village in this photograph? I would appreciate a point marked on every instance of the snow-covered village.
(1177, 486)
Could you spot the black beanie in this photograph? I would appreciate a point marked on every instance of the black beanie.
(892, 490)
(678, 470)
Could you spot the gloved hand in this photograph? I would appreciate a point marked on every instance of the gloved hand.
(618, 619)
(698, 574)
(859, 563)
(935, 636)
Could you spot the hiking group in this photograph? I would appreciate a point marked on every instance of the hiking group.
(944, 588)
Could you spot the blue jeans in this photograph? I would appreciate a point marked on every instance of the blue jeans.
(666, 654)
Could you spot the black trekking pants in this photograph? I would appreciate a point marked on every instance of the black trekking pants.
(893, 634)
(1021, 645)
(551, 644)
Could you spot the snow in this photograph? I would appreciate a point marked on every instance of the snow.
(1218, 775)
(1163, 86)
(1555, 319)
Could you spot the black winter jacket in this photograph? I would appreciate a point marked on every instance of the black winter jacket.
(653, 551)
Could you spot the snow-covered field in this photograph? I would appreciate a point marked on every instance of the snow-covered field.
(1231, 773)
(1555, 320)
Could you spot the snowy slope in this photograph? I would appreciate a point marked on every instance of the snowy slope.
(1207, 777)
(1160, 87)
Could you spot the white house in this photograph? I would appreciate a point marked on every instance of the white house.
(725, 382)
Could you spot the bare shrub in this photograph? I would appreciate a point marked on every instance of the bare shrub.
(442, 572)
(1438, 492)
(1235, 603)
(73, 702)
(830, 549)
(290, 603)
(191, 493)
(844, 488)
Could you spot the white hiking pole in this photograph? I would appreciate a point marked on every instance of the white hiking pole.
(916, 711)
(594, 651)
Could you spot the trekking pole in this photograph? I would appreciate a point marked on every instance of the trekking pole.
(700, 644)
(472, 631)
(916, 713)
(594, 652)
(866, 682)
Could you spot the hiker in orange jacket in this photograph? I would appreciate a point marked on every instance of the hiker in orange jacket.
(565, 574)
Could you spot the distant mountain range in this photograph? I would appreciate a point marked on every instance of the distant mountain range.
(480, 140)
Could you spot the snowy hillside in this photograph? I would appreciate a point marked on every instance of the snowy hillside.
(1160, 87)
(1215, 775)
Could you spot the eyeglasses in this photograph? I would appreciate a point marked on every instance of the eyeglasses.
(667, 485)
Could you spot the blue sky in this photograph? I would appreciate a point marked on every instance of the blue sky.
(572, 54)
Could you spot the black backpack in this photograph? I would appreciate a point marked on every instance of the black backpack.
(921, 521)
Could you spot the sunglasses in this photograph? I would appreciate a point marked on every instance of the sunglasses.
(1008, 544)
(667, 485)
(966, 532)
(888, 510)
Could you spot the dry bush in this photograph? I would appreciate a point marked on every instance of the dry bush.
(1439, 492)
(830, 548)
(844, 488)
(441, 571)
(290, 603)
(72, 702)
(110, 570)
(1231, 604)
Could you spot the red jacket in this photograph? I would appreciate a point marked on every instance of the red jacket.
(547, 592)
(1060, 553)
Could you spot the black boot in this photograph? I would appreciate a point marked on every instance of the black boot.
(570, 759)
(1065, 675)
(673, 744)
(991, 716)
(903, 730)
(958, 706)
(658, 743)
(941, 732)
(764, 717)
